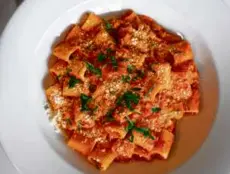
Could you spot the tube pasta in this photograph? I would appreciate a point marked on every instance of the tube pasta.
(120, 87)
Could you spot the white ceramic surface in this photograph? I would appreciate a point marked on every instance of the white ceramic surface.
(7, 8)
(27, 138)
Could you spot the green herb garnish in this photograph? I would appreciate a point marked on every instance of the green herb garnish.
(114, 61)
(126, 79)
(128, 98)
(108, 26)
(145, 131)
(130, 68)
(101, 57)
(131, 126)
(156, 109)
(140, 75)
(84, 102)
(149, 91)
(131, 137)
(119, 100)
(92, 69)
(73, 81)
(109, 50)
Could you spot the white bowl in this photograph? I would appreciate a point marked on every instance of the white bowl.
(25, 132)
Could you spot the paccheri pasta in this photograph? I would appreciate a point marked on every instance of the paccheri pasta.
(121, 86)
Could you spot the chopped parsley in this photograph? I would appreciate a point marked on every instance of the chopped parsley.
(156, 109)
(109, 50)
(108, 26)
(149, 91)
(114, 61)
(119, 100)
(92, 69)
(101, 57)
(131, 137)
(73, 81)
(128, 98)
(145, 131)
(84, 102)
(130, 68)
(131, 126)
(140, 75)
(126, 79)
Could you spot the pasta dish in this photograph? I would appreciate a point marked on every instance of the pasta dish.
(120, 87)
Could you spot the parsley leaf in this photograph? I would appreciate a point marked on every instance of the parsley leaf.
(119, 100)
(130, 68)
(149, 91)
(145, 131)
(84, 102)
(131, 137)
(140, 73)
(108, 26)
(114, 61)
(126, 79)
(73, 81)
(101, 57)
(109, 50)
(156, 109)
(130, 124)
(128, 98)
(92, 69)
